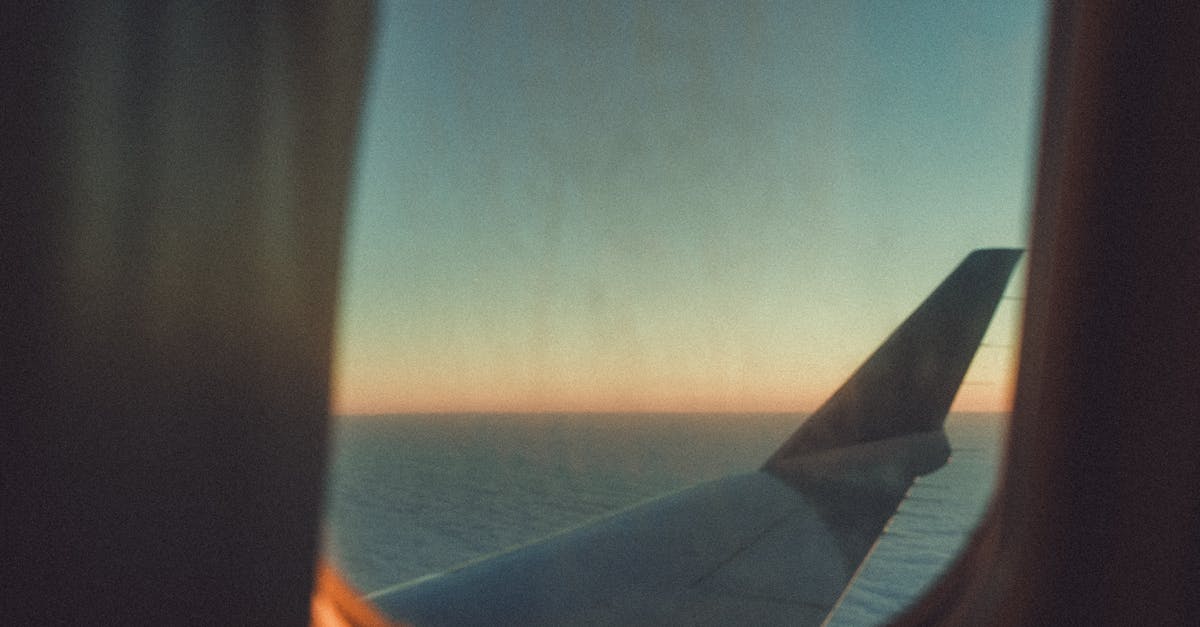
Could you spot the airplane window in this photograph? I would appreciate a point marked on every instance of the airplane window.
(598, 254)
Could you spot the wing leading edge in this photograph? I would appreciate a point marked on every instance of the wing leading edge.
(769, 547)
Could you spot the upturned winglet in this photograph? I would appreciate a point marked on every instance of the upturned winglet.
(908, 383)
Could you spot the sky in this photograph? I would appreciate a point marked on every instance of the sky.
(688, 207)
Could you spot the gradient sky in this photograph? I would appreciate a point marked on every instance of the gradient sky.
(696, 207)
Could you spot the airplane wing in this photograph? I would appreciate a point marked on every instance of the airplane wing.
(776, 546)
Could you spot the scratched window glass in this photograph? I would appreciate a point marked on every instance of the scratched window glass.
(670, 313)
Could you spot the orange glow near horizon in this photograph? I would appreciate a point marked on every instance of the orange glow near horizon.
(986, 400)
(970, 399)
(396, 389)
(379, 395)
(619, 375)
(586, 360)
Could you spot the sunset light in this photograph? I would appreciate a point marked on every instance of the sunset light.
(645, 210)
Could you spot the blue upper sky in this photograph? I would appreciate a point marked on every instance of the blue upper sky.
(692, 206)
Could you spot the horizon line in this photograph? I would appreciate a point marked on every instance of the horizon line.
(573, 412)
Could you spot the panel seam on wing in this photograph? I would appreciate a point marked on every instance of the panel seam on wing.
(741, 549)
(773, 599)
